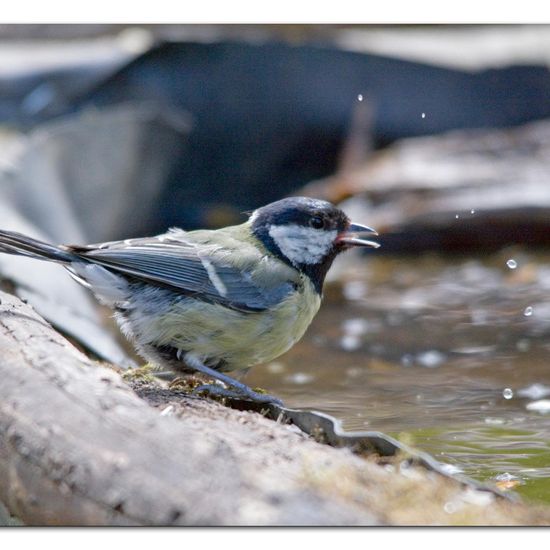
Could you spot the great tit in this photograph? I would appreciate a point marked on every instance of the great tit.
(214, 300)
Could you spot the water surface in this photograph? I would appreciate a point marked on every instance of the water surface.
(450, 355)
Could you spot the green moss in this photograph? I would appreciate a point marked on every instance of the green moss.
(185, 383)
(142, 374)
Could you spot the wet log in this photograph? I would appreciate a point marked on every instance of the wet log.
(79, 447)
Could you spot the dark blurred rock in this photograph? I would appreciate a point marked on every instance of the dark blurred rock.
(270, 117)
(98, 175)
(465, 190)
(90, 177)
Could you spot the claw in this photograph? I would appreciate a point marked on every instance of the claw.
(239, 390)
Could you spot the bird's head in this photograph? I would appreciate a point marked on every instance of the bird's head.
(308, 234)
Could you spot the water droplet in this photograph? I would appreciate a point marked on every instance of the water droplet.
(431, 358)
(506, 476)
(528, 311)
(493, 421)
(276, 367)
(350, 342)
(472, 211)
(457, 216)
(535, 391)
(451, 469)
(511, 263)
(360, 97)
(541, 406)
(423, 115)
(355, 327)
(299, 378)
(507, 393)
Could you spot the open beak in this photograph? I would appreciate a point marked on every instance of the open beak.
(353, 236)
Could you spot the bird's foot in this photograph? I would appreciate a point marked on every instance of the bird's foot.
(238, 389)
(242, 392)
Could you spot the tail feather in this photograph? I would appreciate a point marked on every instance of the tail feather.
(16, 243)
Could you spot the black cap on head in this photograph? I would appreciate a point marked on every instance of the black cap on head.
(301, 211)
(311, 240)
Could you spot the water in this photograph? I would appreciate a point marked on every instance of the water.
(508, 393)
(450, 356)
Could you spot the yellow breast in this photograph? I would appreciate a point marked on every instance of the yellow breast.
(239, 339)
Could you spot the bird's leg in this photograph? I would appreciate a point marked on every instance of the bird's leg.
(241, 390)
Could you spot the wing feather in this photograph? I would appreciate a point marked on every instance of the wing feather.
(202, 271)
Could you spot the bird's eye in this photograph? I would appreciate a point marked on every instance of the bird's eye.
(317, 222)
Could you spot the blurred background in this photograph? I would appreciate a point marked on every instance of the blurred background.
(437, 136)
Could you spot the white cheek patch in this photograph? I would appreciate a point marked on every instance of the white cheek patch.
(302, 245)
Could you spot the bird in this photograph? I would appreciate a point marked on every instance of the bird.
(214, 300)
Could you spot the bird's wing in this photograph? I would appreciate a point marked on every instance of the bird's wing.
(201, 271)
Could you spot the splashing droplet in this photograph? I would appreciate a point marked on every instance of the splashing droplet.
(299, 378)
(535, 391)
(355, 327)
(506, 476)
(507, 393)
(528, 311)
(494, 421)
(431, 358)
(360, 97)
(451, 469)
(511, 263)
(542, 406)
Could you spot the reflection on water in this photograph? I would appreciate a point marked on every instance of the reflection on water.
(452, 356)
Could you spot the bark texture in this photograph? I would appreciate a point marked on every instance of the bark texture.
(79, 447)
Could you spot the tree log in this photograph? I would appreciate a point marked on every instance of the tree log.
(79, 447)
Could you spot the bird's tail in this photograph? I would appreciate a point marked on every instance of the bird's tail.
(16, 243)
